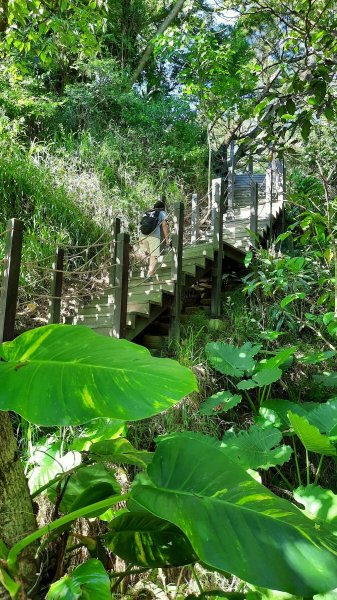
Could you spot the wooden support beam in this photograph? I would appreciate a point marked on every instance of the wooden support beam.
(253, 224)
(116, 229)
(176, 272)
(281, 192)
(10, 280)
(121, 282)
(220, 204)
(195, 219)
(54, 315)
(231, 177)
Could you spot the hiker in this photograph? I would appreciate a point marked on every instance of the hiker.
(154, 228)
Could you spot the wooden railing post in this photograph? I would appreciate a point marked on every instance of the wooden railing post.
(254, 201)
(195, 219)
(116, 229)
(220, 203)
(281, 191)
(10, 280)
(231, 178)
(56, 288)
(176, 272)
(269, 200)
(121, 282)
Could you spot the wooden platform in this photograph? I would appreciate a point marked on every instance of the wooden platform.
(148, 299)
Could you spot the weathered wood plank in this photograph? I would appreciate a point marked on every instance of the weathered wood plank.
(10, 280)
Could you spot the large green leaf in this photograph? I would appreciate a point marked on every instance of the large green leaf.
(84, 487)
(120, 451)
(312, 439)
(142, 539)
(255, 448)
(219, 403)
(319, 504)
(234, 523)
(231, 360)
(66, 375)
(89, 581)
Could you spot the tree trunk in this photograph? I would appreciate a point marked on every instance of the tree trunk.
(149, 49)
(17, 517)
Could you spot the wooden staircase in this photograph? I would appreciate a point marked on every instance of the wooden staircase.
(148, 299)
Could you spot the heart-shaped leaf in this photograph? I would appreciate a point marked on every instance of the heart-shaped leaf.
(233, 522)
(66, 375)
(230, 360)
(219, 403)
(255, 448)
(89, 581)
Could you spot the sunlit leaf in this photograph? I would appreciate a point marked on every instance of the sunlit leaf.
(234, 523)
(66, 375)
(310, 436)
(89, 581)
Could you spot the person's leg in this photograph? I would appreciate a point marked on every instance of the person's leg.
(154, 244)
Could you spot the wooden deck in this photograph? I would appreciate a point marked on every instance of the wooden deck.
(148, 299)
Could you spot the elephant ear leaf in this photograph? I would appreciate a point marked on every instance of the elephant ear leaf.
(230, 360)
(220, 402)
(89, 581)
(310, 436)
(67, 375)
(256, 448)
(142, 539)
(233, 522)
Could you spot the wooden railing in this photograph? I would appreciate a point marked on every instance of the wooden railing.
(203, 223)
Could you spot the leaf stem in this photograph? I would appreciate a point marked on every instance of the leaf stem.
(318, 472)
(76, 514)
(296, 463)
(286, 481)
(253, 407)
(197, 579)
(58, 477)
(307, 466)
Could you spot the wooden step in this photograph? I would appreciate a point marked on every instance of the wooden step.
(141, 296)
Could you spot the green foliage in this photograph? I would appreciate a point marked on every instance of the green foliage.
(310, 436)
(47, 461)
(84, 487)
(107, 377)
(246, 522)
(119, 451)
(142, 539)
(89, 581)
(230, 360)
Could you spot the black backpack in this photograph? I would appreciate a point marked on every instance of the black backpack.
(149, 221)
